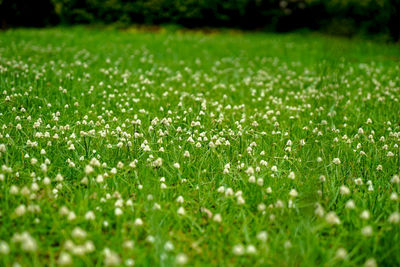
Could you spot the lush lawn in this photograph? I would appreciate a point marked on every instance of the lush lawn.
(224, 149)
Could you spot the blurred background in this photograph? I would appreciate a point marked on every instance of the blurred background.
(376, 19)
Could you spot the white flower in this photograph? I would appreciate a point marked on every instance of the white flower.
(64, 259)
(358, 181)
(262, 236)
(370, 263)
(341, 253)
(181, 259)
(250, 171)
(344, 190)
(395, 179)
(336, 161)
(217, 218)
(177, 165)
(4, 247)
(3, 148)
(118, 212)
(332, 218)
(251, 249)
(157, 163)
(366, 231)
(238, 249)
(240, 200)
(138, 222)
(179, 199)
(252, 179)
(90, 216)
(78, 233)
(168, 246)
(293, 193)
(394, 217)
(350, 204)
(365, 215)
(20, 210)
(181, 211)
(111, 258)
(88, 169)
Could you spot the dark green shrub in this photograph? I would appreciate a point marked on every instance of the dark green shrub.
(344, 17)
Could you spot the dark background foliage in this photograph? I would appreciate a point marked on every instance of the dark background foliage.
(343, 17)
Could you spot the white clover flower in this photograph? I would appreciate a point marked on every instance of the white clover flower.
(344, 190)
(250, 171)
(20, 210)
(4, 247)
(336, 161)
(251, 249)
(78, 233)
(157, 163)
(111, 258)
(395, 179)
(252, 179)
(221, 189)
(177, 165)
(365, 215)
(332, 218)
(64, 259)
(262, 236)
(240, 200)
(118, 212)
(238, 249)
(71, 216)
(168, 246)
(394, 217)
(350, 204)
(180, 199)
(370, 263)
(88, 169)
(394, 196)
(341, 253)
(138, 222)
(217, 218)
(358, 181)
(229, 192)
(181, 259)
(90, 216)
(367, 231)
(293, 193)
(181, 211)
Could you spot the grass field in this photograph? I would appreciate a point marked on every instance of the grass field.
(226, 149)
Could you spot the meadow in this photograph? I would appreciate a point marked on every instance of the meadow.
(122, 148)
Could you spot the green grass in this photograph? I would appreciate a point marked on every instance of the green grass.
(69, 95)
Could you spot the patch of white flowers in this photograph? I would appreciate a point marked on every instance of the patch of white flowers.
(110, 152)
